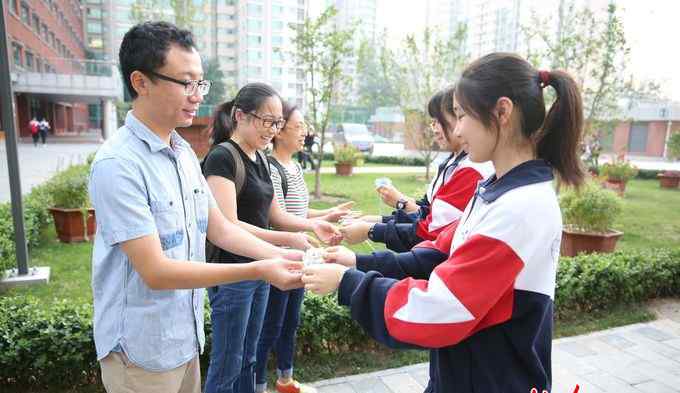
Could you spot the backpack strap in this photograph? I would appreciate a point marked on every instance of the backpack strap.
(282, 174)
(239, 170)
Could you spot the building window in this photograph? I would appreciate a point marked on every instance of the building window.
(94, 12)
(254, 55)
(277, 25)
(36, 24)
(45, 33)
(38, 65)
(277, 40)
(277, 71)
(94, 27)
(53, 40)
(255, 40)
(16, 52)
(254, 26)
(14, 7)
(25, 14)
(277, 9)
(29, 61)
(277, 55)
(254, 9)
(301, 15)
(254, 71)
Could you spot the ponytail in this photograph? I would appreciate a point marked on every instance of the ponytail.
(223, 123)
(562, 129)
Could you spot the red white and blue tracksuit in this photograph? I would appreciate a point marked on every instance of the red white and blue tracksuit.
(480, 296)
(444, 203)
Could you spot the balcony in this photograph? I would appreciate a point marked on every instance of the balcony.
(87, 80)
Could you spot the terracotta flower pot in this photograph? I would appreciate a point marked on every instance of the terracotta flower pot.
(575, 242)
(618, 186)
(343, 169)
(668, 181)
(70, 226)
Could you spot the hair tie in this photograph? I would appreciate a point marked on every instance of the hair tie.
(544, 78)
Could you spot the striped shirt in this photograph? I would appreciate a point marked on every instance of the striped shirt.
(297, 199)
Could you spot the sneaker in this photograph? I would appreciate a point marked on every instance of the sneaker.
(294, 387)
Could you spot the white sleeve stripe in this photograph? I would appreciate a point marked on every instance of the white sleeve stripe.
(443, 214)
(436, 305)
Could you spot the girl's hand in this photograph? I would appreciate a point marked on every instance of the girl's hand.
(334, 214)
(356, 231)
(281, 273)
(390, 195)
(301, 241)
(326, 232)
(340, 255)
(323, 279)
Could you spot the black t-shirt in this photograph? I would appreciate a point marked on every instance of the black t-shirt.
(252, 205)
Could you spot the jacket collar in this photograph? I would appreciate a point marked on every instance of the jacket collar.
(530, 172)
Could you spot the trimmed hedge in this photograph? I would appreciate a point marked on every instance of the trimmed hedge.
(55, 347)
(36, 219)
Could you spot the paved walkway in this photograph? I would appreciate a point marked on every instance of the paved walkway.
(37, 164)
(640, 358)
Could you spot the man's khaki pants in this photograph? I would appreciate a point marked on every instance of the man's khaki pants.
(119, 375)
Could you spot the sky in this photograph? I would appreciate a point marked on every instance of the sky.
(652, 28)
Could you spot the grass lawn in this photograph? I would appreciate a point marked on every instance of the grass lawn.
(651, 218)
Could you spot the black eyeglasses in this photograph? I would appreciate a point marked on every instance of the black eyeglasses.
(190, 86)
(268, 123)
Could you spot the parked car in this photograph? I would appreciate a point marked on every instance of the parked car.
(356, 135)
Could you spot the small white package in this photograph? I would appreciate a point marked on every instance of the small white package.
(313, 256)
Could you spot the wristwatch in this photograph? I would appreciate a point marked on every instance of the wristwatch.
(371, 230)
(401, 204)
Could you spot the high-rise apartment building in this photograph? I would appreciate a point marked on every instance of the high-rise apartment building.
(251, 39)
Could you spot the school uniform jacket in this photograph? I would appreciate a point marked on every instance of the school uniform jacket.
(486, 312)
(448, 203)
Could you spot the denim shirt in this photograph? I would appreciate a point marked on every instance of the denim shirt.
(140, 186)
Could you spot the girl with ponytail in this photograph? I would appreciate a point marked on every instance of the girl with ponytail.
(486, 312)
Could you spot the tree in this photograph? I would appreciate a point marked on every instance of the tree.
(424, 65)
(374, 89)
(183, 12)
(219, 89)
(594, 50)
(321, 48)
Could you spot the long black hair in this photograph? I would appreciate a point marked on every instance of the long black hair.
(556, 135)
(250, 98)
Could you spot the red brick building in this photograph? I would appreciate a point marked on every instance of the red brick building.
(51, 75)
(647, 131)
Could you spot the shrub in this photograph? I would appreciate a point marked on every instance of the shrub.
(670, 173)
(347, 154)
(36, 219)
(619, 170)
(396, 160)
(590, 209)
(54, 347)
(674, 146)
(68, 188)
(590, 282)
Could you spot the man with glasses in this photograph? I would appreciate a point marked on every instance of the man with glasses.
(154, 213)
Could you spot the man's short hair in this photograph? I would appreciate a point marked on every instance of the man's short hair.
(145, 47)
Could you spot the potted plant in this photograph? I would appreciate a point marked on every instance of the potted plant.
(346, 158)
(588, 215)
(669, 179)
(617, 173)
(71, 205)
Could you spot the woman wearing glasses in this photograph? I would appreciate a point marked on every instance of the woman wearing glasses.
(238, 175)
(283, 308)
